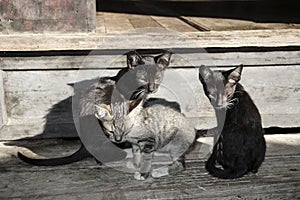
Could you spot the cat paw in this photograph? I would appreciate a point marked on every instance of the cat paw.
(159, 172)
(141, 176)
(131, 165)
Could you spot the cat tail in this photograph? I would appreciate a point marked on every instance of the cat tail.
(80, 154)
(201, 133)
(228, 173)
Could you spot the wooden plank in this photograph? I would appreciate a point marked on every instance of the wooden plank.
(49, 88)
(141, 21)
(278, 177)
(178, 60)
(174, 24)
(221, 24)
(39, 97)
(272, 97)
(47, 16)
(150, 39)
(100, 23)
(117, 23)
(3, 117)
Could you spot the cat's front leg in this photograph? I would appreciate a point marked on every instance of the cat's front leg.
(136, 160)
(147, 147)
(145, 169)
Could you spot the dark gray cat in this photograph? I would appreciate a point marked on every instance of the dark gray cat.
(142, 76)
(241, 146)
(154, 127)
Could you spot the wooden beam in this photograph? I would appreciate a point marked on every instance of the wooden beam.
(180, 60)
(44, 96)
(153, 38)
(3, 116)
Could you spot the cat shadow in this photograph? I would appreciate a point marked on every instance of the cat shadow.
(59, 123)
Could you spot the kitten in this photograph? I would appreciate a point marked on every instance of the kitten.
(241, 146)
(149, 127)
(142, 76)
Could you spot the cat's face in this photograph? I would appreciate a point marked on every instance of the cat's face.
(219, 86)
(146, 72)
(118, 118)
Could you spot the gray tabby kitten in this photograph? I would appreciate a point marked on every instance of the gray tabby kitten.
(155, 127)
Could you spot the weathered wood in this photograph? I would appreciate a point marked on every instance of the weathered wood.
(116, 23)
(272, 96)
(278, 177)
(221, 24)
(150, 39)
(174, 24)
(48, 99)
(178, 60)
(3, 117)
(100, 23)
(47, 16)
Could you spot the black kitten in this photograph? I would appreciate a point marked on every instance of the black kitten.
(241, 146)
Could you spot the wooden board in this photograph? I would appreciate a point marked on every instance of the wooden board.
(174, 24)
(100, 23)
(181, 58)
(3, 117)
(140, 21)
(278, 177)
(116, 23)
(221, 24)
(47, 16)
(48, 99)
(150, 39)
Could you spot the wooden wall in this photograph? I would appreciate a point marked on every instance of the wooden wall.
(37, 90)
(47, 16)
(2, 105)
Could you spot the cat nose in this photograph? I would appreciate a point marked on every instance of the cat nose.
(152, 87)
(118, 138)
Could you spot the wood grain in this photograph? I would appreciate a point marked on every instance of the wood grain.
(49, 98)
(278, 177)
(3, 117)
(151, 39)
(180, 60)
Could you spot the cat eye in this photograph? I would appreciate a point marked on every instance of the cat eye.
(212, 96)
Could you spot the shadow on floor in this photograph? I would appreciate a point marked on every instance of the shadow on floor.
(257, 10)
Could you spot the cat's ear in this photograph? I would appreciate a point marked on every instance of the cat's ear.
(133, 104)
(103, 112)
(134, 59)
(163, 60)
(234, 75)
(205, 74)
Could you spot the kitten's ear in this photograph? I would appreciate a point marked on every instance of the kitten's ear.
(163, 59)
(103, 112)
(134, 59)
(234, 75)
(133, 104)
(205, 74)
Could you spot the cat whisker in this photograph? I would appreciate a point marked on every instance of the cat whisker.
(137, 94)
(237, 92)
(232, 103)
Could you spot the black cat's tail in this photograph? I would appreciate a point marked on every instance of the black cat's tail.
(227, 173)
(201, 133)
(79, 155)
